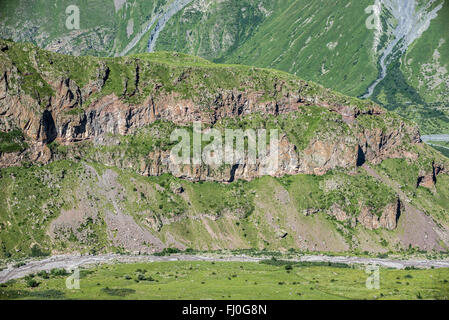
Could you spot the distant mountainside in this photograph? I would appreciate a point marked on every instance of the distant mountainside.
(324, 41)
(328, 42)
(86, 166)
(107, 27)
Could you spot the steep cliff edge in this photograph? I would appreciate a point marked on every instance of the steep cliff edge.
(85, 157)
(67, 100)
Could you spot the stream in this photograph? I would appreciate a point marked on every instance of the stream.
(69, 262)
(161, 20)
(411, 22)
(173, 9)
(435, 137)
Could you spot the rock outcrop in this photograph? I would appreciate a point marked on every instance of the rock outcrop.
(337, 212)
(428, 179)
(387, 220)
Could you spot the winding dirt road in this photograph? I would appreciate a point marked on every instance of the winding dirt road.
(69, 262)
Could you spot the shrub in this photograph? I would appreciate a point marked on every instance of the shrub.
(37, 252)
(141, 277)
(280, 263)
(32, 283)
(167, 252)
(58, 272)
(118, 292)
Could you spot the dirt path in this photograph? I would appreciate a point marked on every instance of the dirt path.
(69, 262)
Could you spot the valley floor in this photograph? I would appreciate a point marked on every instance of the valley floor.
(225, 277)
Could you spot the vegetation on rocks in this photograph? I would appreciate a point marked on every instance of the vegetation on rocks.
(12, 141)
(92, 179)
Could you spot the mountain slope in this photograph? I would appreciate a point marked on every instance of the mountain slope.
(86, 165)
(107, 27)
(328, 43)
(317, 40)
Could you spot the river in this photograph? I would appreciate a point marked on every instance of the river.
(69, 262)
(411, 22)
(173, 9)
(435, 137)
(161, 20)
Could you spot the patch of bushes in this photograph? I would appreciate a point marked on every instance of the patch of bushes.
(37, 252)
(12, 141)
(119, 292)
(284, 263)
(59, 272)
(43, 274)
(32, 283)
(167, 252)
(43, 295)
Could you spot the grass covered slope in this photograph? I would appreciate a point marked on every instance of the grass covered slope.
(417, 84)
(39, 68)
(92, 180)
(317, 40)
(106, 27)
(426, 64)
(88, 207)
(325, 42)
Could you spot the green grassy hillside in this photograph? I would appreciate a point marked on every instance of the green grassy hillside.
(315, 39)
(417, 85)
(106, 27)
(93, 193)
(75, 207)
(325, 42)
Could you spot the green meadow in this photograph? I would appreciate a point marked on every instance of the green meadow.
(271, 279)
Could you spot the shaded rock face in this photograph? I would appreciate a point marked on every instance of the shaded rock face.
(110, 115)
(377, 145)
(318, 158)
(429, 179)
(426, 180)
(388, 220)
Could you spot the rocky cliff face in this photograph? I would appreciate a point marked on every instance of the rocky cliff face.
(388, 220)
(74, 113)
(90, 115)
(110, 121)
